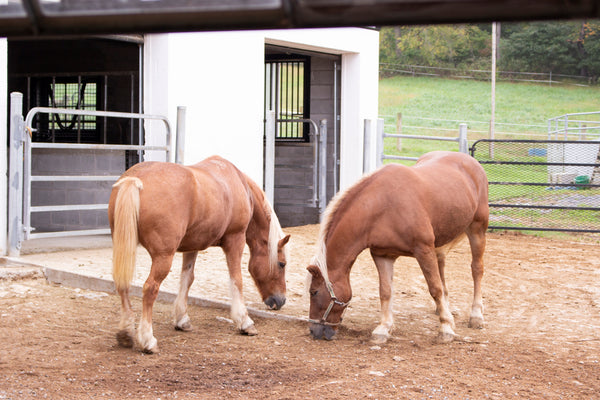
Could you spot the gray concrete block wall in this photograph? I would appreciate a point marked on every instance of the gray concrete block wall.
(73, 162)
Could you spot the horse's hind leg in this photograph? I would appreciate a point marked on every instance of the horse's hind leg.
(180, 316)
(476, 235)
(127, 324)
(385, 268)
(233, 246)
(158, 272)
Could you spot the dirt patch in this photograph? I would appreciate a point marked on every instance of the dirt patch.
(541, 338)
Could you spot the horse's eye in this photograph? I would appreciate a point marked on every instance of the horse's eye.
(313, 293)
(281, 264)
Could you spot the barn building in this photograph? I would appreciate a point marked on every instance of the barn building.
(228, 83)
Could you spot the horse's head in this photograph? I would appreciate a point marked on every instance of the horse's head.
(326, 310)
(267, 268)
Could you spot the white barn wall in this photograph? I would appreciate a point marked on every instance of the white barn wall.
(219, 78)
(3, 140)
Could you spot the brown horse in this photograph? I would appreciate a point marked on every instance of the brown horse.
(418, 211)
(169, 208)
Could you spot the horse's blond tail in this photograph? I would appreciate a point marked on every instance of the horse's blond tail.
(125, 230)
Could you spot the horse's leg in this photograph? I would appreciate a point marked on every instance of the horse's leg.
(427, 258)
(233, 246)
(180, 316)
(441, 260)
(385, 268)
(476, 235)
(127, 324)
(161, 264)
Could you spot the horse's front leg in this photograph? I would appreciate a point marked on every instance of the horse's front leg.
(180, 317)
(233, 246)
(427, 259)
(385, 268)
(158, 272)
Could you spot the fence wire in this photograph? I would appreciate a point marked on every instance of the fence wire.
(542, 185)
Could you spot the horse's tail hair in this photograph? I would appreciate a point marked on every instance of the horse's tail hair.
(125, 230)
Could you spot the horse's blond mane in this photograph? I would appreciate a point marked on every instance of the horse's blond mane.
(320, 258)
(275, 234)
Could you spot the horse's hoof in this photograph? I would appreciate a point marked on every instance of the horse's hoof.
(476, 323)
(153, 350)
(445, 337)
(249, 331)
(185, 327)
(124, 339)
(378, 338)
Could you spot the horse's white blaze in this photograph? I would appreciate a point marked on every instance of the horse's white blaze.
(145, 336)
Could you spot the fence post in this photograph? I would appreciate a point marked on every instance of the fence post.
(180, 135)
(463, 143)
(269, 184)
(399, 131)
(322, 166)
(15, 177)
(367, 146)
(379, 135)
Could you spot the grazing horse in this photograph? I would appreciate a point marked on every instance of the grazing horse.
(419, 211)
(168, 208)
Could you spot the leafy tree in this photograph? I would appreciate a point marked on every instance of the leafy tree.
(443, 45)
(541, 47)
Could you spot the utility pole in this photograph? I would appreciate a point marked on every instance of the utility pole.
(493, 116)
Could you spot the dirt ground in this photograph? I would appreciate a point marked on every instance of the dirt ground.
(541, 339)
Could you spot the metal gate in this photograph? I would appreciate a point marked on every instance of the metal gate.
(542, 185)
(319, 168)
(21, 177)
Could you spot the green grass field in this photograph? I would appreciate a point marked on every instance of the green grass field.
(521, 103)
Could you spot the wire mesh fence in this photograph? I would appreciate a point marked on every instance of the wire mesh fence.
(542, 185)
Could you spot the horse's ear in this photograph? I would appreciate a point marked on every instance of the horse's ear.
(314, 271)
(284, 241)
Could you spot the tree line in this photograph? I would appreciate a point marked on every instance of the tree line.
(559, 47)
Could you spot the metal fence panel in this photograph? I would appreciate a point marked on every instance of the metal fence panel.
(542, 185)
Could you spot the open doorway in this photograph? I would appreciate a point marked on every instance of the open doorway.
(301, 85)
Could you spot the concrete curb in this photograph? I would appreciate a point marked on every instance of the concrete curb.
(71, 279)
(14, 268)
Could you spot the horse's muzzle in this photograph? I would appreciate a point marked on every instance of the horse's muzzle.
(320, 331)
(275, 302)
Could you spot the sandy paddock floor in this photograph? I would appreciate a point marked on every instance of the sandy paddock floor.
(541, 339)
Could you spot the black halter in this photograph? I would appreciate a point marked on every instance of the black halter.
(333, 302)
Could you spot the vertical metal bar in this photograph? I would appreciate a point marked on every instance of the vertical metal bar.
(463, 144)
(269, 183)
(180, 135)
(379, 147)
(367, 146)
(322, 166)
(54, 117)
(140, 109)
(335, 130)
(287, 99)
(566, 126)
(316, 145)
(105, 106)
(15, 177)
(80, 104)
(297, 99)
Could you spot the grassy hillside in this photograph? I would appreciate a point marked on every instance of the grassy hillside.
(436, 106)
(521, 103)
